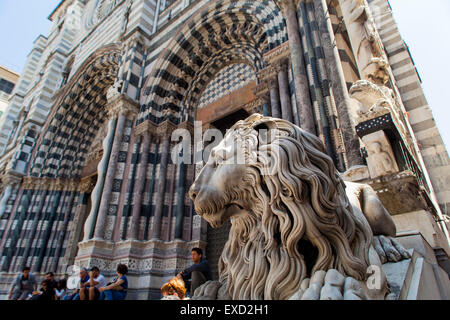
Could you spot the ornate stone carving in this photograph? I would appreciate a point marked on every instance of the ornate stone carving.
(366, 46)
(262, 92)
(375, 101)
(87, 185)
(122, 105)
(381, 159)
(266, 198)
(114, 91)
(253, 107)
(10, 179)
(279, 53)
(96, 150)
(146, 127)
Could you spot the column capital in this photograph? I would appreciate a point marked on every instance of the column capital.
(11, 179)
(267, 74)
(146, 127)
(261, 90)
(281, 65)
(253, 107)
(157, 131)
(165, 129)
(87, 185)
(281, 52)
(122, 105)
(186, 125)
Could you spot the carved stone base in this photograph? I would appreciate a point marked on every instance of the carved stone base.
(418, 278)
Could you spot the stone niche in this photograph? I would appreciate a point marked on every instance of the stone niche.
(380, 157)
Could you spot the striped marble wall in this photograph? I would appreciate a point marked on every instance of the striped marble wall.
(421, 118)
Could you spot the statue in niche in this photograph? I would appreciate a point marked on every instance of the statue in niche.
(298, 231)
(381, 158)
(114, 91)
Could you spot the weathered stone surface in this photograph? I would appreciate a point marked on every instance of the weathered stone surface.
(233, 168)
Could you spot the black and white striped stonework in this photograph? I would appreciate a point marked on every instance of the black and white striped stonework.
(222, 33)
(76, 118)
(420, 115)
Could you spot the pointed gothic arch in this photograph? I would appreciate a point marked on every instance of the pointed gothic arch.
(221, 34)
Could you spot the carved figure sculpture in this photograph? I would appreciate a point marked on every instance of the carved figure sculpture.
(370, 60)
(294, 233)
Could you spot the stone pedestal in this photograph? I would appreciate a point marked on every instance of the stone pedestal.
(418, 278)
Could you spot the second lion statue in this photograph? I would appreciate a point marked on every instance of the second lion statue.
(298, 230)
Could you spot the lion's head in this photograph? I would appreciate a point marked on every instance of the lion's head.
(289, 212)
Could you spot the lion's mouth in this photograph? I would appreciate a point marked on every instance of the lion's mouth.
(218, 217)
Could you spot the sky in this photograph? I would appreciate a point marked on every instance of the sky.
(424, 25)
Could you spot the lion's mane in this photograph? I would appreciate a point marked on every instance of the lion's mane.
(301, 219)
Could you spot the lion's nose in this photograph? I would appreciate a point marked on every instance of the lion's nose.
(193, 192)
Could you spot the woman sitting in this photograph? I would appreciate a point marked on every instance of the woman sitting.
(61, 289)
(117, 290)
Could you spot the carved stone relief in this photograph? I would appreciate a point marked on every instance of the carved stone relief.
(381, 160)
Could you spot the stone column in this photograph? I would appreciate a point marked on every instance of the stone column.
(283, 84)
(9, 181)
(139, 187)
(160, 195)
(338, 84)
(181, 187)
(121, 108)
(14, 233)
(298, 66)
(101, 171)
(86, 187)
(109, 179)
(67, 214)
(274, 98)
(38, 217)
(58, 187)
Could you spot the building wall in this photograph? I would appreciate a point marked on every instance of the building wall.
(128, 79)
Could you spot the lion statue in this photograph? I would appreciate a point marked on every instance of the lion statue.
(296, 233)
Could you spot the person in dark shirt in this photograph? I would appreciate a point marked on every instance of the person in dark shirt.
(198, 273)
(48, 291)
(51, 284)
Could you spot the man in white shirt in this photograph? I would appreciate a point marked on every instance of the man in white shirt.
(96, 281)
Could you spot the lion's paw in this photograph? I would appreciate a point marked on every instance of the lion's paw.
(389, 249)
(208, 291)
(330, 285)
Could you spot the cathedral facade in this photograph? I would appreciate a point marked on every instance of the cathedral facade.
(88, 141)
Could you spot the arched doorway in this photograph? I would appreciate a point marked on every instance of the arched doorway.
(207, 73)
(61, 159)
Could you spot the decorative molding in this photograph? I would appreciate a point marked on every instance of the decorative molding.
(157, 131)
(122, 105)
(261, 90)
(87, 185)
(267, 74)
(281, 52)
(253, 107)
(11, 179)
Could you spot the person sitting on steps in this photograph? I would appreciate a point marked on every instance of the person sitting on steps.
(198, 273)
(117, 290)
